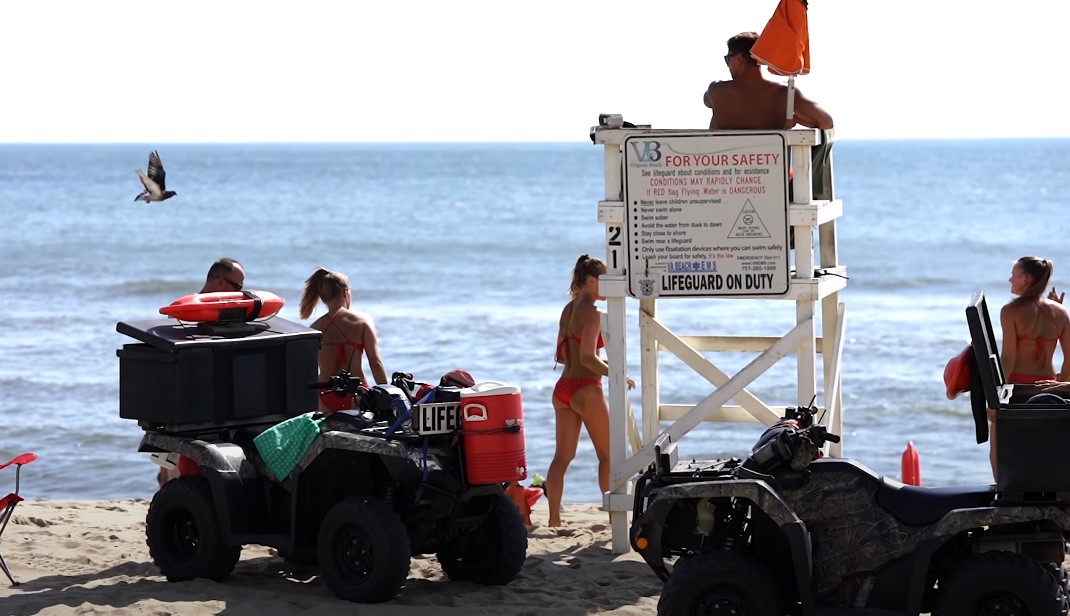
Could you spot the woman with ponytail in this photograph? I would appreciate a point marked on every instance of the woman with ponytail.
(1033, 326)
(578, 398)
(348, 335)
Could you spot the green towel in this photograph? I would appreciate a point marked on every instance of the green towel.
(283, 445)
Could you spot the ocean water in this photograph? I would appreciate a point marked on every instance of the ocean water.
(463, 253)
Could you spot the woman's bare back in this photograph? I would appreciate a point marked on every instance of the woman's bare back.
(574, 317)
(1038, 327)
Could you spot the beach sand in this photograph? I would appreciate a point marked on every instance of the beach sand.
(90, 557)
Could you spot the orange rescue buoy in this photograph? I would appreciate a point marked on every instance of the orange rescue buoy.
(225, 305)
(525, 499)
(911, 465)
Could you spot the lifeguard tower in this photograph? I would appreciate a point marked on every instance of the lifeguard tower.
(718, 215)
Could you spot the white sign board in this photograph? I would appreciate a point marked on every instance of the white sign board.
(707, 215)
(437, 418)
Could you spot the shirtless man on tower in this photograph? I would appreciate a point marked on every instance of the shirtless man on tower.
(750, 101)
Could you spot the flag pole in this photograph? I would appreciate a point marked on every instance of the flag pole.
(791, 101)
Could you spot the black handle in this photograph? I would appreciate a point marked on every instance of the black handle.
(342, 383)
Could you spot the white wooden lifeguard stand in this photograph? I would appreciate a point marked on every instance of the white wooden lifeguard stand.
(699, 213)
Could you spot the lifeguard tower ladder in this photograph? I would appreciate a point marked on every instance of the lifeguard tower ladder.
(712, 214)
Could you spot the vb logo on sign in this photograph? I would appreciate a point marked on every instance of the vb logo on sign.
(647, 151)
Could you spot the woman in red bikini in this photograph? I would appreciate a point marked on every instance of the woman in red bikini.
(578, 397)
(1032, 328)
(347, 335)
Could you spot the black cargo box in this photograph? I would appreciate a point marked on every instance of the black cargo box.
(185, 376)
(1031, 449)
(1030, 439)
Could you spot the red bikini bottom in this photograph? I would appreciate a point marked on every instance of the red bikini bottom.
(567, 386)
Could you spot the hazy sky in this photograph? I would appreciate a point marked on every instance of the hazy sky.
(403, 70)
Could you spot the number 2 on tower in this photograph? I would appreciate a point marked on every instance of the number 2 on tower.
(613, 240)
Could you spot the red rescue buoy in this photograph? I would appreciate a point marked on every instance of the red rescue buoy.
(959, 372)
(525, 499)
(225, 305)
(911, 465)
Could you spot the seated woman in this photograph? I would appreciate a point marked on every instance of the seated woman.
(1032, 328)
(347, 335)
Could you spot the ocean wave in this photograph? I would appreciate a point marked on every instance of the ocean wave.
(151, 287)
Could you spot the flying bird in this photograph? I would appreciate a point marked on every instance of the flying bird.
(155, 190)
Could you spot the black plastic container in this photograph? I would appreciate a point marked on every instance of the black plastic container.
(186, 376)
(1031, 448)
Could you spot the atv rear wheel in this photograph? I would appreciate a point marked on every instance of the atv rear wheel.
(717, 583)
(183, 533)
(494, 553)
(364, 550)
(999, 583)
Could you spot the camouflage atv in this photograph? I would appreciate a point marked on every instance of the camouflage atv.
(372, 488)
(787, 531)
(783, 533)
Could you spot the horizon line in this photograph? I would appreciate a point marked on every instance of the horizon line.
(499, 143)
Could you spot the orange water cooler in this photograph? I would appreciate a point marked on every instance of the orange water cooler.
(492, 422)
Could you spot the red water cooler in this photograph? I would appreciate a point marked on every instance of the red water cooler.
(492, 422)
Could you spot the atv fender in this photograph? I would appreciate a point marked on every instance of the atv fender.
(336, 439)
(399, 459)
(653, 521)
(958, 520)
(225, 467)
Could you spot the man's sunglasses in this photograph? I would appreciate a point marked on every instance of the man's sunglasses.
(236, 285)
(729, 56)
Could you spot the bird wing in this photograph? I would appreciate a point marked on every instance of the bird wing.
(156, 172)
(151, 187)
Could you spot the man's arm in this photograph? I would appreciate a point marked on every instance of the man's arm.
(810, 114)
(1043, 387)
(706, 98)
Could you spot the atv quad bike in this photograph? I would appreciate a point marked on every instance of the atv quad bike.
(371, 489)
(787, 531)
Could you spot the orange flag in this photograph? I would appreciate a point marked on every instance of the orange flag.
(784, 44)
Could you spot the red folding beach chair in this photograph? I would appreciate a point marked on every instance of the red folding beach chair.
(7, 504)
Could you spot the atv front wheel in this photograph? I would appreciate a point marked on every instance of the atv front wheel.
(494, 553)
(183, 533)
(717, 583)
(364, 550)
(1001, 583)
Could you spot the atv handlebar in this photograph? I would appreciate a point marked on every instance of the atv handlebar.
(819, 435)
(342, 383)
(789, 444)
(803, 414)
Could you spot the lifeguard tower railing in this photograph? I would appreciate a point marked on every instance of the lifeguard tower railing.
(714, 214)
